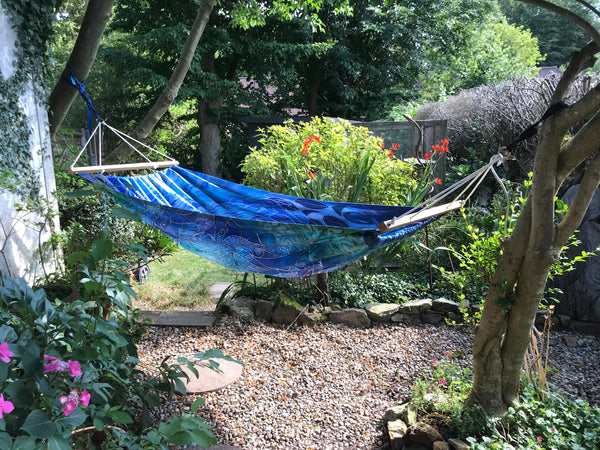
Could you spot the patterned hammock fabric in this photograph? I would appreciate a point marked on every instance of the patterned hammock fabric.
(255, 231)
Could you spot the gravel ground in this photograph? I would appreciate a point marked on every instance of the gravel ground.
(326, 387)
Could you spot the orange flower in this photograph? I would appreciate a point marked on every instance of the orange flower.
(304, 149)
(311, 174)
(395, 146)
(427, 156)
(391, 154)
(437, 181)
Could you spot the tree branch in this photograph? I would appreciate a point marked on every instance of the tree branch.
(161, 106)
(572, 219)
(588, 27)
(579, 147)
(97, 15)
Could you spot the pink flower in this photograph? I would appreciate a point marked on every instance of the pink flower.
(84, 398)
(433, 361)
(539, 438)
(74, 368)
(73, 400)
(6, 406)
(553, 429)
(55, 364)
(441, 380)
(5, 353)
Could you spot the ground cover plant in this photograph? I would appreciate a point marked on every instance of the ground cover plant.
(542, 419)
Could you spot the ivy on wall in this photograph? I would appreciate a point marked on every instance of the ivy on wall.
(32, 21)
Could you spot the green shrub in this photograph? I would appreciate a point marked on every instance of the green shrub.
(329, 159)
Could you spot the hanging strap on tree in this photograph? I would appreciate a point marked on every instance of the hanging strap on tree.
(80, 86)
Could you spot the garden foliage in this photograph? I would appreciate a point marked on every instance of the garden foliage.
(328, 159)
(70, 368)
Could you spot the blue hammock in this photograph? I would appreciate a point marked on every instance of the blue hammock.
(255, 231)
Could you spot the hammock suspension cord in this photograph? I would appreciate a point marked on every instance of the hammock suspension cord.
(128, 140)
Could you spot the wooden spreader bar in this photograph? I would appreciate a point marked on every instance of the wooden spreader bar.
(423, 214)
(124, 167)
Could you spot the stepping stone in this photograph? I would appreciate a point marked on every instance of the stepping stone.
(180, 318)
(209, 380)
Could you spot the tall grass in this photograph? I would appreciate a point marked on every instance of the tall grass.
(181, 281)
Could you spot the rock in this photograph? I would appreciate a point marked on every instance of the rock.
(445, 305)
(415, 306)
(381, 312)
(432, 317)
(423, 433)
(352, 317)
(441, 445)
(396, 432)
(264, 310)
(287, 311)
(570, 341)
(565, 321)
(457, 444)
(405, 412)
(311, 318)
(239, 307)
(407, 319)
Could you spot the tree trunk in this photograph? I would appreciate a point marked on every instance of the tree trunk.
(80, 61)
(210, 139)
(143, 129)
(518, 284)
(313, 97)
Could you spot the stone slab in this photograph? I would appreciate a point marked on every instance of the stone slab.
(209, 380)
(180, 318)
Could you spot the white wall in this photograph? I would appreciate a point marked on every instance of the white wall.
(21, 235)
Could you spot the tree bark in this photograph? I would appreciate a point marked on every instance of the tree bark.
(161, 106)
(210, 138)
(519, 282)
(83, 55)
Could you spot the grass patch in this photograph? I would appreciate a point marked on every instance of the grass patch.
(181, 281)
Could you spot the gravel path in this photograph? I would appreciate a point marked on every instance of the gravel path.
(326, 387)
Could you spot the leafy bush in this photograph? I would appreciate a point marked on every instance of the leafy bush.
(66, 370)
(351, 289)
(329, 159)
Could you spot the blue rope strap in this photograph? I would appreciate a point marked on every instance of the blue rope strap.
(80, 86)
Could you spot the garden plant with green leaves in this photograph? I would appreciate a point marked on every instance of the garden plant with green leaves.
(69, 369)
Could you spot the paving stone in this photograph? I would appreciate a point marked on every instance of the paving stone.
(179, 318)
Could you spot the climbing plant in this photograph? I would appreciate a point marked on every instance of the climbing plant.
(31, 20)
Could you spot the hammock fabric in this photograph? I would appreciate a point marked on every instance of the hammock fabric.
(255, 231)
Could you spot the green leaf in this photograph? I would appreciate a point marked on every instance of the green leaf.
(7, 334)
(197, 404)
(120, 417)
(76, 418)
(39, 425)
(102, 249)
(24, 443)
(5, 440)
(58, 443)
